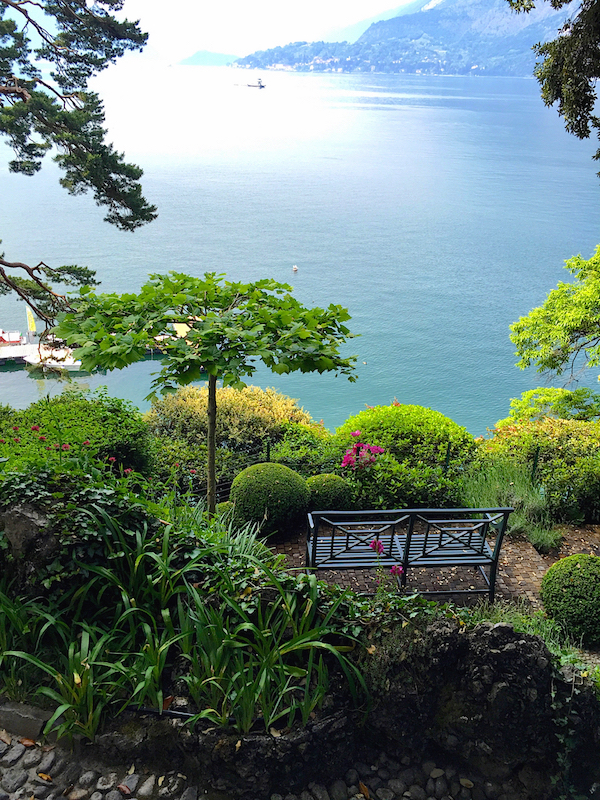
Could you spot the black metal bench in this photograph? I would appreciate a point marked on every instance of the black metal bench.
(411, 538)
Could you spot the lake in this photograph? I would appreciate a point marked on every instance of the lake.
(436, 209)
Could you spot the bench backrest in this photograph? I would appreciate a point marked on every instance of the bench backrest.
(425, 532)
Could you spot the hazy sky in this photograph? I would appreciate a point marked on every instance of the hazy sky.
(238, 27)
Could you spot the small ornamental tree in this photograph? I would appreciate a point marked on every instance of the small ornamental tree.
(228, 327)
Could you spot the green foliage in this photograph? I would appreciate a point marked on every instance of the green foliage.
(207, 326)
(563, 333)
(47, 102)
(329, 491)
(424, 456)
(86, 427)
(227, 327)
(247, 420)
(583, 404)
(565, 455)
(497, 482)
(270, 494)
(570, 592)
(67, 501)
(248, 417)
(568, 70)
(306, 448)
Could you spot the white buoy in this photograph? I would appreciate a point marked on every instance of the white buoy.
(295, 268)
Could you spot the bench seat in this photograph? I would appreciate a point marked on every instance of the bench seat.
(410, 538)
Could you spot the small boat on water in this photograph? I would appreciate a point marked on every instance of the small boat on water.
(53, 360)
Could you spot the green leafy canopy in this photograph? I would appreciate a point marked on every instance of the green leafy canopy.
(229, 326)
(564, 332)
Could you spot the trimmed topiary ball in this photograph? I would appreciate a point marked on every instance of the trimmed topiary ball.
(271, 494)
(329, 492)
(571, 595)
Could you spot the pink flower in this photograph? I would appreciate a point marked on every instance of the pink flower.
(17, 439)
(177, 463)
(192, 472)
(348, 460)
(127, 471)
(2, 441)
(111, 460)
(87, 441)
(42, 438)
(355, 434)
(15, 427)
(377, 545)
(35, 427)
(66, 447)
(397, 570)
(56, 446)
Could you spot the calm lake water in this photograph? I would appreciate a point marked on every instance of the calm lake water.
(437, 209)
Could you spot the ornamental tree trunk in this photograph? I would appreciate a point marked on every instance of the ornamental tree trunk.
(211, 480)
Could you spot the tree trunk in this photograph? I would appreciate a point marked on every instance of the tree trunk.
(211, 482)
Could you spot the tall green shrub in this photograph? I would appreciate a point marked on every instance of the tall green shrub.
(565, 455)
(248, 421)
(424, 456)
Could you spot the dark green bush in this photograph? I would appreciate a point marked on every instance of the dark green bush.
(329, 492)
(307, 449)
(564, 454)
(75, 424)
(271, 494)
(571, 595)
(424, 457)
(70, 504)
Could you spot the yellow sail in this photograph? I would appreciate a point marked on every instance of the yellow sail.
(30, 320)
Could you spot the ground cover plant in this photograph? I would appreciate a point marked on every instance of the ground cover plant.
(88, 426)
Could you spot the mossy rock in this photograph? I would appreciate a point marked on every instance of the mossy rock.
(272, 495)
(571, 595)
(329, 492)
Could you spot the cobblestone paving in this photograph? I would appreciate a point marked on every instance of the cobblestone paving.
(30, 771)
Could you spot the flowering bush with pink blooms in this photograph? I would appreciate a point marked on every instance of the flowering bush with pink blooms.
(402, 456)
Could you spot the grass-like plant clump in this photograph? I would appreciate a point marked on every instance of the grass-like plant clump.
(503, 482)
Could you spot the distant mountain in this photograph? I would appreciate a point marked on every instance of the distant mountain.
(350, 33)
(204, 58)
(439, 37)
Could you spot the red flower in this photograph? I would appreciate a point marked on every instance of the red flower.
(15, 427)
(87, 441)
(111, 460)
(192, 471)
(42, 438)
(176, 463)
(127, 471)
(17, 439)
(2, 441)
(66, 447)
(35, 427)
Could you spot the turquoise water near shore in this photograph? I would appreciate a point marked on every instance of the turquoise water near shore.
(437, 209)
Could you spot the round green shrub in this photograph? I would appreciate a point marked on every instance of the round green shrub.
(329, 492)
(571, 595)
(271, 494)
(424, 457)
